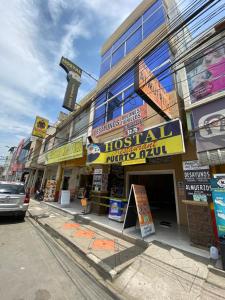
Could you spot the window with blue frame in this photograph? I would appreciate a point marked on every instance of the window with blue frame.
(114, 108)
(120, 97)
(118, 54)
(153, 17)
(134, 40)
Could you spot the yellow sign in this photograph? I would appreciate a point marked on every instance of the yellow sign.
(67, 152)
(134, 162)
(162, 140)
(40, 127)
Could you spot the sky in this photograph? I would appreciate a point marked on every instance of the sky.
(34, 35)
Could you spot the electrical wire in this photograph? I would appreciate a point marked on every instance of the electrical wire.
(94, 99)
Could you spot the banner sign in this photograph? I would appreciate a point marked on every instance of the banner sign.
(218, 195)
(162, 140)
(210, 119)
(206, 72)
(197, 181)
(74, 80)
(40, 127)
(152, 92)
(138, 206)
(66, 152)
(133, 118)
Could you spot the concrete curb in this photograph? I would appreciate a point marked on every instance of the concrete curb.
(104, 282)
(103, 269)
(216, 271)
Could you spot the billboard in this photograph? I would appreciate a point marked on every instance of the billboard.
(74, 79)
(133, 118)
(209, 121)
(66, 152)
(40, 127)
(206, 72)
(152, 92)
(218, 195)
(197, 181)
(159, 141)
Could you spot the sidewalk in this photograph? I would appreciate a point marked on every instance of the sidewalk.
(158, 271)
(109, 254)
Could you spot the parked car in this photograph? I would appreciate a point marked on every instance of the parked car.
(14, 200)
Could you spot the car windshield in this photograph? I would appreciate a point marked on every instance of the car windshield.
(7, 188)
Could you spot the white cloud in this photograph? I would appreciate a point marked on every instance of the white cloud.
(32, 40)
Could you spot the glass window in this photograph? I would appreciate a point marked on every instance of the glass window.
(158, 56)
(134, 40)
(118, 55)
(134, 27)
(123, 37)
(100, 99)
(114, 108)
(131, 100)
(153, 22)
(106, 54)
(6, 188)
(151, 9)
(166, 77)
(99, 117)
(105, 66)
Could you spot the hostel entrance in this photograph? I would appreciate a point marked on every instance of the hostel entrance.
(161, 196)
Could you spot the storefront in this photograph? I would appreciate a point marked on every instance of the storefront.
(152, 158)
(66, 167)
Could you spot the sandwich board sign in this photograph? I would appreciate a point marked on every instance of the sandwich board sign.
(138, 207)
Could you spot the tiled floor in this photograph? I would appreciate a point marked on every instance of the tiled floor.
(176, 236)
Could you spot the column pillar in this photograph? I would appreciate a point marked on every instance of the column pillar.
(59, 175)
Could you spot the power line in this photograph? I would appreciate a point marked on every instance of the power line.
(108, 85)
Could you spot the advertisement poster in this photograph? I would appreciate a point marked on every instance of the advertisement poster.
(40, 127)
(218, 195)
(162, 140)
(67, 152)
(138, 199)
(206, 74)
(50, 190)
(197, 181)
(210, 119)
(132, 119)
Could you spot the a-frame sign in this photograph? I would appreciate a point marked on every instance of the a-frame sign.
(138, 208)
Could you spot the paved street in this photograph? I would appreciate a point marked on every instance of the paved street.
(32, 269)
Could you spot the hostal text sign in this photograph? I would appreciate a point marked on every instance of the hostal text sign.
(162, 140)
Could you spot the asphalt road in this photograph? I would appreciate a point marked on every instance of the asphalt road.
(32, 268)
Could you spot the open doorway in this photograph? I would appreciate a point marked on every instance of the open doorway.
(161, 196)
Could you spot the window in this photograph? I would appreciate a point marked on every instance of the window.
(152, 19)
(153, 22)
(12, 188)
(118, 54)
(105, 66)
(134, 40)
(152, 9)
(166, 77)
(101, 99)
(132, 103)
(99, 117)
(114, 108)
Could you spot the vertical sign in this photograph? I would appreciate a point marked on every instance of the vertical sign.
(138, 206)
(218, 195)
(73, 78)
(197, 181)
